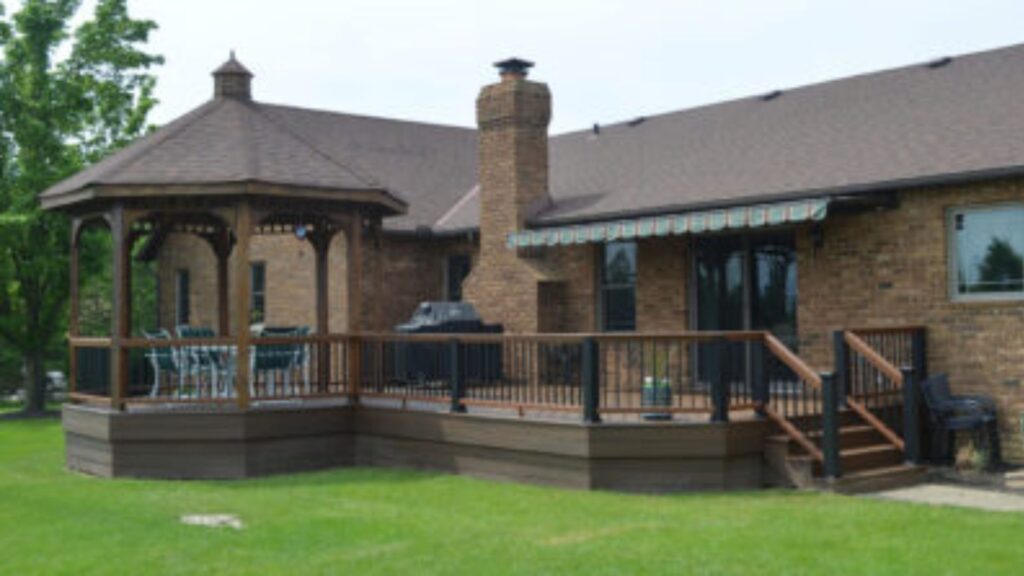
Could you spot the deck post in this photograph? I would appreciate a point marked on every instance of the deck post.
(911, 417)
(842, 364)
(458, 390)
(759, 377)
(919, 351)
(830, 425)
(719, 385)
(590, 373)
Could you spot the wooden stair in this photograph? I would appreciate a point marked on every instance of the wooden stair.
(868, 461)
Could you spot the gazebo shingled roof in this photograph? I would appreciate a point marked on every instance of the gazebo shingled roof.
(228, 146)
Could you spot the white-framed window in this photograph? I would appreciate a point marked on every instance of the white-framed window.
(182, 301)
(986, 252)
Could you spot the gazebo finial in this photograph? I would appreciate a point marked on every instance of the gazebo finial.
(232, 80)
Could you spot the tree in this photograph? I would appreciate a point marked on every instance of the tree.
(1003, 267)
(57, 116)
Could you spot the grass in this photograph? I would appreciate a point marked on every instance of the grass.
(361, 521)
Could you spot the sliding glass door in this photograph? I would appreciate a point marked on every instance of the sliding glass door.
(743, 283)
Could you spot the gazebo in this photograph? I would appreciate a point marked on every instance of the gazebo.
(223, 172)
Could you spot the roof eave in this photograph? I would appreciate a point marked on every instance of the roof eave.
(388, 202)
(945, 179)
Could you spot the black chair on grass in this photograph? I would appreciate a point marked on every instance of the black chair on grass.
(949, 413)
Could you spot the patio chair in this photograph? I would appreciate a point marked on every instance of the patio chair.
(211, 360)
(949, 413)
(283, 359)
(164, 361)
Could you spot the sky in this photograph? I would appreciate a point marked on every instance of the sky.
(604, 60)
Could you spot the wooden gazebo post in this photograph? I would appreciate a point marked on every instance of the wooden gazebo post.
(75, 312)
(243, 293)
(222, 249)
(122, 303)
(354, 269)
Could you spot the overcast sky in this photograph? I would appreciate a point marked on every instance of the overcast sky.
(605, 60)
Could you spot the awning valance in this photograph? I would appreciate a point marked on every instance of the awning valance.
(739, 218)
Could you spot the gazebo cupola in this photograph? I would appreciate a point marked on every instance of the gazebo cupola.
(232, 80)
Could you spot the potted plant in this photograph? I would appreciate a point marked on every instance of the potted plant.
(657, 389)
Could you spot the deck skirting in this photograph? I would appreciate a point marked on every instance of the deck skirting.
(233, 445)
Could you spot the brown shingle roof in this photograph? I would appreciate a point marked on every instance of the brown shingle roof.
(911, 124)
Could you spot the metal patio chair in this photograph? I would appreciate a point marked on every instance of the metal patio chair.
(949, 413)
(282, 359)
(207, 360)
(164, 360)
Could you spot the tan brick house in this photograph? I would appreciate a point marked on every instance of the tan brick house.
(884, 199)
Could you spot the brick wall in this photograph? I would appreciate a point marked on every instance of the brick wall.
(513, 117)
(890, 268)
(398, 273)
(290, 278)
(661, 295)
(401, 272)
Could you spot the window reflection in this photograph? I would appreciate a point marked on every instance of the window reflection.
(989, 251)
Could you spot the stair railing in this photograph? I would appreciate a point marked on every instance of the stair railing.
(878, 369)
(800, 402)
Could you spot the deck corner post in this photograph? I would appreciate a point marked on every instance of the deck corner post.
(719, 385)
(458, 390)
(919, 352)
(589, 374)
(842, 364)
(354, 365)
(911, 417)
(830, 425)
(759, 377)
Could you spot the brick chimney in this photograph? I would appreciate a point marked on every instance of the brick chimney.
(512, 116)
(232, 80)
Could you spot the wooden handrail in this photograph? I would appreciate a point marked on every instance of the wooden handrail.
(875, 423)
(175, 342)
(787, 357)
(88, 342)
(794, 433)
(873, 357)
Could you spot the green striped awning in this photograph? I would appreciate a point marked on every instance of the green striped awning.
(744, 217)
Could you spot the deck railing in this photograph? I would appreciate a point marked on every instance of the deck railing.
(592, 377)
(595, 375)
(878, 369)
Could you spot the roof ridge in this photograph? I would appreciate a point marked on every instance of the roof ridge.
(367, 179)
(800, 87)
(368, 117)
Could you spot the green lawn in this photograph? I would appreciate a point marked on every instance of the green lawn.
(367, 521)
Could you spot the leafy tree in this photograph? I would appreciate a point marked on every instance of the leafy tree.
(57, 116)
(1003, 267)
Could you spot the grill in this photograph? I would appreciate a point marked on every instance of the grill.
(429, 363)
